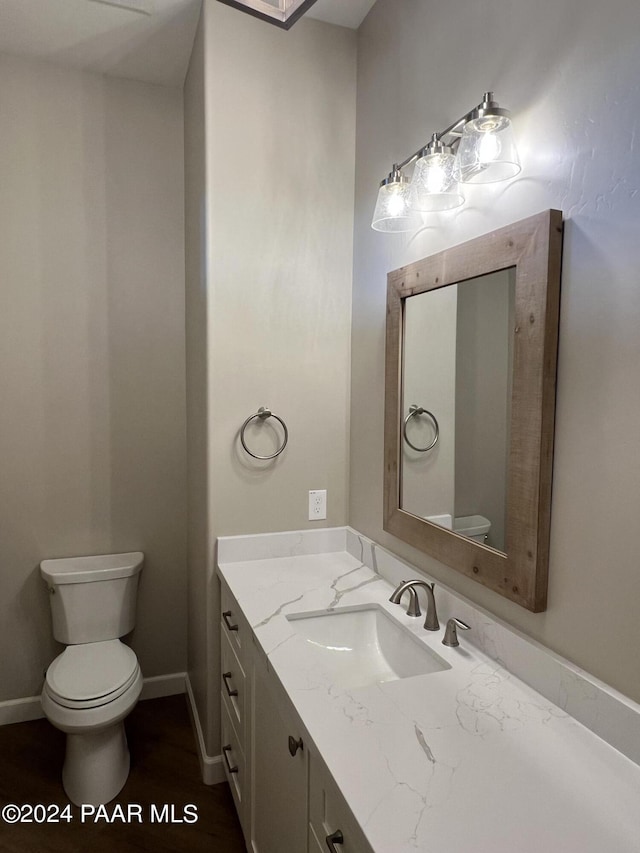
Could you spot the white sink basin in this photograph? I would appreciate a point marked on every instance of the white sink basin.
(364, 646)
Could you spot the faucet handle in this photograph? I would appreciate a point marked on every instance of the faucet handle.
(451, 631)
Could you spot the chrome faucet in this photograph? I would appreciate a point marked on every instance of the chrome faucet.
(431, 622)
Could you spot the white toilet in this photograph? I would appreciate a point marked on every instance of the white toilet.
(91, 687)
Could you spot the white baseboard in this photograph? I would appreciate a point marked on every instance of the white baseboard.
(29, 708)
(20, 710)
(164, 685)
(211, 767)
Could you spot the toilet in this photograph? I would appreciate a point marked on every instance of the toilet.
(91, 687)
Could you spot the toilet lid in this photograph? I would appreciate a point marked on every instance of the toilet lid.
(92, 671)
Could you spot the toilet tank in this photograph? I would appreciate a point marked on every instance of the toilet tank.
(93, 598)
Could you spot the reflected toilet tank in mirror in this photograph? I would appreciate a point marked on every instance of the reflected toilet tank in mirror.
(458, 363)
(470, 375)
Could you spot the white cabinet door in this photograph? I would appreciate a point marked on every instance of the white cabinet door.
(278, 779)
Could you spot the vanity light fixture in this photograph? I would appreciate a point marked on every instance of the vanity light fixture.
(476, 149)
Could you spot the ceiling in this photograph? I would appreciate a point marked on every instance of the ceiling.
(345, 13)
(152, 44)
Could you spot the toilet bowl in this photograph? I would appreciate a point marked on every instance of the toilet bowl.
(92, 686)
(88, 691)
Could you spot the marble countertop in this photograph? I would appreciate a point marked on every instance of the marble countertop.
(470, 758)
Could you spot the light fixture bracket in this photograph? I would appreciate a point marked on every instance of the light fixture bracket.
(488, 108)
(435, 146)
(395, 176)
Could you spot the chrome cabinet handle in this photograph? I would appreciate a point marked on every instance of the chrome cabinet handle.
(225, 750)
(225, 616)
(295, 745)
(226, 677)
(335, 838)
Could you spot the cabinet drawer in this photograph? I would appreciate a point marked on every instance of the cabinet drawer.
(233, 686)
(233, 761)
(329, 813)
(234, 625)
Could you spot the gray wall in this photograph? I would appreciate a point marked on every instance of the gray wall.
(429, 380)
(275, 250)
(569, 72)
(199, 538)
(483, 394)
(92, 420)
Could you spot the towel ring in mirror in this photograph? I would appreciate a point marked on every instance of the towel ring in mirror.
(414, 411)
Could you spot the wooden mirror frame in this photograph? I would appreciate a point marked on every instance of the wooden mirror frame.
(534, 247)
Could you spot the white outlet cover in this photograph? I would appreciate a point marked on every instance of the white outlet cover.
(317, 504)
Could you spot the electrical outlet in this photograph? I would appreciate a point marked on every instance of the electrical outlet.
(317, 504)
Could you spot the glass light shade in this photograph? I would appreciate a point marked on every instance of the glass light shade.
(487, 151)
(435, 183)
(392, 211)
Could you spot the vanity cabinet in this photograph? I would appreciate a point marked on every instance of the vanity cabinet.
(285, 797)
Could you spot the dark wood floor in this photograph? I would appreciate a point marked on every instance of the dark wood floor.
(164, 770)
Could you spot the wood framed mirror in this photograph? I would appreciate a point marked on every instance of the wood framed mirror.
(470, 379)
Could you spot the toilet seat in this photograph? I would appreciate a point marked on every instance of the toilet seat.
(90, 675)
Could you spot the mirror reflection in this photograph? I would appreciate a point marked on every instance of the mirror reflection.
(456, 405)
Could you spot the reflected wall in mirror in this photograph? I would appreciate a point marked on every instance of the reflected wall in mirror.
(469, 405)
(465, 330)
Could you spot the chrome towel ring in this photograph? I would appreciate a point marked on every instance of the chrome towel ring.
(263, 413)
(414, 411)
